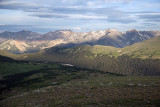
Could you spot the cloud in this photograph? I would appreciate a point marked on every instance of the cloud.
(154, 20)
(14, 27)
(122, 20)
(149, 24)
(150, 17)
(68, 12)
(88, 17)
(152, 5)
(78, 7)
(94, 2)
(49, 15)
(79, 13)
(4, 0)
(13, 5)
(56, 5)
(110, 14)
(115, 15)
(74, 12)
(118, 1)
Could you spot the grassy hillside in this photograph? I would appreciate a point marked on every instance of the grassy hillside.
(5, 59)
(7, 54)
(147, 49)
(127, 61)
(138, 59)
(53, 85)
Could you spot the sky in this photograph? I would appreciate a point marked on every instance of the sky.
(43, 16)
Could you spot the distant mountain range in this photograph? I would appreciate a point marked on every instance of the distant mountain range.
(28, 42)
(21, 35)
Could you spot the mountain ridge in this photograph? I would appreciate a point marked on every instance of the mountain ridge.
(109, 37)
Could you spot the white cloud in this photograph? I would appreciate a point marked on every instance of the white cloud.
(90, 16)
(118, 1)
(75, 13)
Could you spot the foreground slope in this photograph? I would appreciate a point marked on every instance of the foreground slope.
(54, 85)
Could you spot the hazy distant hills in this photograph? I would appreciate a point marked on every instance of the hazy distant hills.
(21, 35)
(27, 41)
(17, 46)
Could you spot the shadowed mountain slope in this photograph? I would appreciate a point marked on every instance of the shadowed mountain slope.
(139, 59)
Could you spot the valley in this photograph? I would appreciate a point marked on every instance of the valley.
(67, 70)
(138, 59)
(79, 53)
